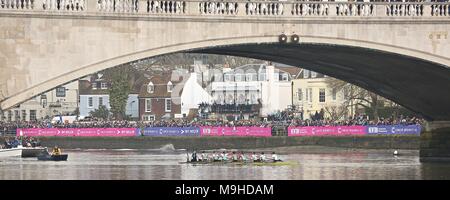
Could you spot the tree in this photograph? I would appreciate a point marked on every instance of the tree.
(119, 90)
(356, 96)
(102, 112)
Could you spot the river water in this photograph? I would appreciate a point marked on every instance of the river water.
(319, 163)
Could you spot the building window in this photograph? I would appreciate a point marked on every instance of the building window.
(94, 85)
(305, 73)
(334, 94)
(9, 115)
(16, 115)
(100, 101)
(148, 117)
(90, 102)
(262, 77)
(24, 115)
(313, 74)
(285, 77)
(148, 105)
(228, 77)
(103, 85)
(60, 92)
(299, 94)
(169, 86)
(248, 77)
(168, 105)
(150, 88)
(322, 95)
(310, 94)
(239, 77)
(32, 115)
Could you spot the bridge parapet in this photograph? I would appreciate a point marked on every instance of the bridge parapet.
(231, 8)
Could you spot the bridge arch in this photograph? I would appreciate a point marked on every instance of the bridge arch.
(262, 47)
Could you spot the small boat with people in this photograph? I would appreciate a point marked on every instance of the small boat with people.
(234, 157)
(56, 155)
(14, 151)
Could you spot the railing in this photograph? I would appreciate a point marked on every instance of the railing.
(218, 8)
(256, 9)
(310, 9)
(118, 6)
(405, 10)
(166, 7)
(17, 4)
(263, 8)
(355, 9)
(64, 5)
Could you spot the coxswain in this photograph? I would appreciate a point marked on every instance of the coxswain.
(194, 157)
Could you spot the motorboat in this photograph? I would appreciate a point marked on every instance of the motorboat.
(30, 152)
(47, 157)
(17, 151)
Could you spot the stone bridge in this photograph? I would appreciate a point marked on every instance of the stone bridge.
(397, 50)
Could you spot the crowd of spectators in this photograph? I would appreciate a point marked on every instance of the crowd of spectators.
(10, 127)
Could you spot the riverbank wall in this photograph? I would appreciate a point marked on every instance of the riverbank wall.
(366, 142)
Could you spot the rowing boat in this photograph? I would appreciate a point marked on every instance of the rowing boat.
(266, 163)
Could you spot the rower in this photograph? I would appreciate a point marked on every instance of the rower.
(254, 157)
(204, 156)
(224, 156)
(262, 158)
(274, 156)
(243, 157)
(235, 158)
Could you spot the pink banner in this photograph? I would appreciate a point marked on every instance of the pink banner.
(326, 130)
(78, 132)
(235, 131)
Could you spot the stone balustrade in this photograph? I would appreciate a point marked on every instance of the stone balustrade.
(263, 8)
(310, 9)
(355, 9)
(405, 10)
(218, 8)
(63, 5)
(17, 4)
(166, 7)
(118, 6)
(297, 9)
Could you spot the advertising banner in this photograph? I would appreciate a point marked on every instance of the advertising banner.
(394, 129)
(75, 132)
(326, 130)
(171, 131)
(236, 131)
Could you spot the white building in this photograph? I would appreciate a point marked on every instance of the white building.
(254, 84)
(193, 94)
(61, 100)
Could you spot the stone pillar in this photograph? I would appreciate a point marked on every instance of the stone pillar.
(241, 8)
(435, 142)
(192, 8)
(380, 10)
(142, 6)
(91, 6)
(427, 10)
(332, 7)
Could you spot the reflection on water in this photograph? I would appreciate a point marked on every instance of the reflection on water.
(134, 164)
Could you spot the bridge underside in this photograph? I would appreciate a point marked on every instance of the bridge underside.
(416, 84)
